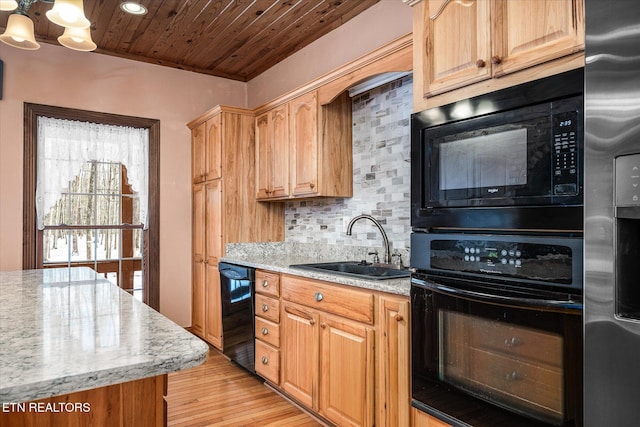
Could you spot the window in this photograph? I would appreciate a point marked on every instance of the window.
(96, 217)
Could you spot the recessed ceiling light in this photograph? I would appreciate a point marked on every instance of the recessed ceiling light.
(133, 8)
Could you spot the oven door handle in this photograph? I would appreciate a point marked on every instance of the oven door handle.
(542, 303)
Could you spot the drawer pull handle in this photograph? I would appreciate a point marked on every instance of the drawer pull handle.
(399, 317)
(318, 296)
(265, 308)
(264, 331)
(264, 360)
(265, 283)
(513, 376)
(512, 342)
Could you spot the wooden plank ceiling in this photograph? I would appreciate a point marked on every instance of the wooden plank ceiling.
(235, 39)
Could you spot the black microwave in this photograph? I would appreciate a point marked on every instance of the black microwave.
(507, 160)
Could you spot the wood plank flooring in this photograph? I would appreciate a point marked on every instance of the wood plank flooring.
(219, 393)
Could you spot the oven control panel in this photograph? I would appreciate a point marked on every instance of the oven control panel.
(553, 261)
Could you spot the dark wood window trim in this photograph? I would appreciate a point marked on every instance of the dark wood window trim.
(30, 233)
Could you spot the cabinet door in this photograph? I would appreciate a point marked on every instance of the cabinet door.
(198, 258)
(527, 33)
(457, 42)
(394, 393)
(214, 148)
(198, 158)
(303, 133)
(299, 349)
(213, 222)
(346, 383)
(264, 156)
(280, 151)
(213, 306)
(421, 419)
(198, 297)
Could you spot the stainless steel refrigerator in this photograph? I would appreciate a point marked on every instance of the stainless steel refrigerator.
(612, 214)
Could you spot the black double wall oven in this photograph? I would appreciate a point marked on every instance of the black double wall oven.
(497, 256)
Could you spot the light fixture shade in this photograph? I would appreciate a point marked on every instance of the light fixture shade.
(69, 14)
(19, 32)
(77, 39)
(8, 4)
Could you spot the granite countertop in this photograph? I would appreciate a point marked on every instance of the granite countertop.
(278, 256)
(66, 330)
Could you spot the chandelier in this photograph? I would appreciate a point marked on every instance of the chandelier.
(66, 13)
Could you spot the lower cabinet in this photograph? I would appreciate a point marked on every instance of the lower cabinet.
(327, 364)
(393, 361)
(421, 419)
(339, 351)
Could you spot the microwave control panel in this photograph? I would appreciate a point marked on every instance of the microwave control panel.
(565, 154)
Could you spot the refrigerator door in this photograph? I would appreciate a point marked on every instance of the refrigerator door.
(612, 214)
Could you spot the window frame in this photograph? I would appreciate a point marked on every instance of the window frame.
(151, 255)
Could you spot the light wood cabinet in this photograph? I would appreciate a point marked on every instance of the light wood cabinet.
(304, 149)
(327, 360)
(206, 141)
(459, 44)
(393, 361)
(223, 155)
(421, 419)
(267, 326)
(272, 142)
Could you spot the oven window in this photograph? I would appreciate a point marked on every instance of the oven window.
(484, 160)
(509, 365)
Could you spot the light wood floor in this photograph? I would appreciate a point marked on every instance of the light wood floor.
(219, 393)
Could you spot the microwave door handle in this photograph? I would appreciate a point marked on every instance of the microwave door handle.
(499, 299)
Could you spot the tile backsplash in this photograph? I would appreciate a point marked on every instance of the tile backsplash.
(381, 178)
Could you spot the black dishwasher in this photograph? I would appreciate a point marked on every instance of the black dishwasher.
(237, 295)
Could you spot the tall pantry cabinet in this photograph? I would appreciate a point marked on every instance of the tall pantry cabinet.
(224, 208)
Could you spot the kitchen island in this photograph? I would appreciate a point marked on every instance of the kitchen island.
(76, 349)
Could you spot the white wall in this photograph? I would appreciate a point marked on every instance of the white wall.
(54, 75)
(382, 23)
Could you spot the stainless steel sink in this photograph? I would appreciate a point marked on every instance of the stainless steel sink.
(355, 269)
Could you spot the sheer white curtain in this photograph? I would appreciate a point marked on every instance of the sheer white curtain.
(65, 145)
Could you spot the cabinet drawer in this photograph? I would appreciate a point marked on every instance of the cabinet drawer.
(537, 386)
(267, 362)
(513, 340)
(267, 283)
(340, 300)
(268, 308)
(268, 332)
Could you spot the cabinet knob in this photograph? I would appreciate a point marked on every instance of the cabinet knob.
(399, 317)
(480, 63)
(318, 296)
(495, 59)
(264, 331)
(312, 322)
(312, 185)
(264, 360)
(265, 283)
(206, 261)
(512, 342)
(265, 307)
(323, 325)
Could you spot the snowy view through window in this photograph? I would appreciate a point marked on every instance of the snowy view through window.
(96, 223)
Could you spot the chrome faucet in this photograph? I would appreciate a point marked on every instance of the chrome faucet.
(387, 256)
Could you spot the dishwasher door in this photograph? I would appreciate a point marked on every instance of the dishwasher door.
(237, 297)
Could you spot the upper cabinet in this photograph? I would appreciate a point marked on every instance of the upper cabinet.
(206, 153)
(304, 149)
(475, 44)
